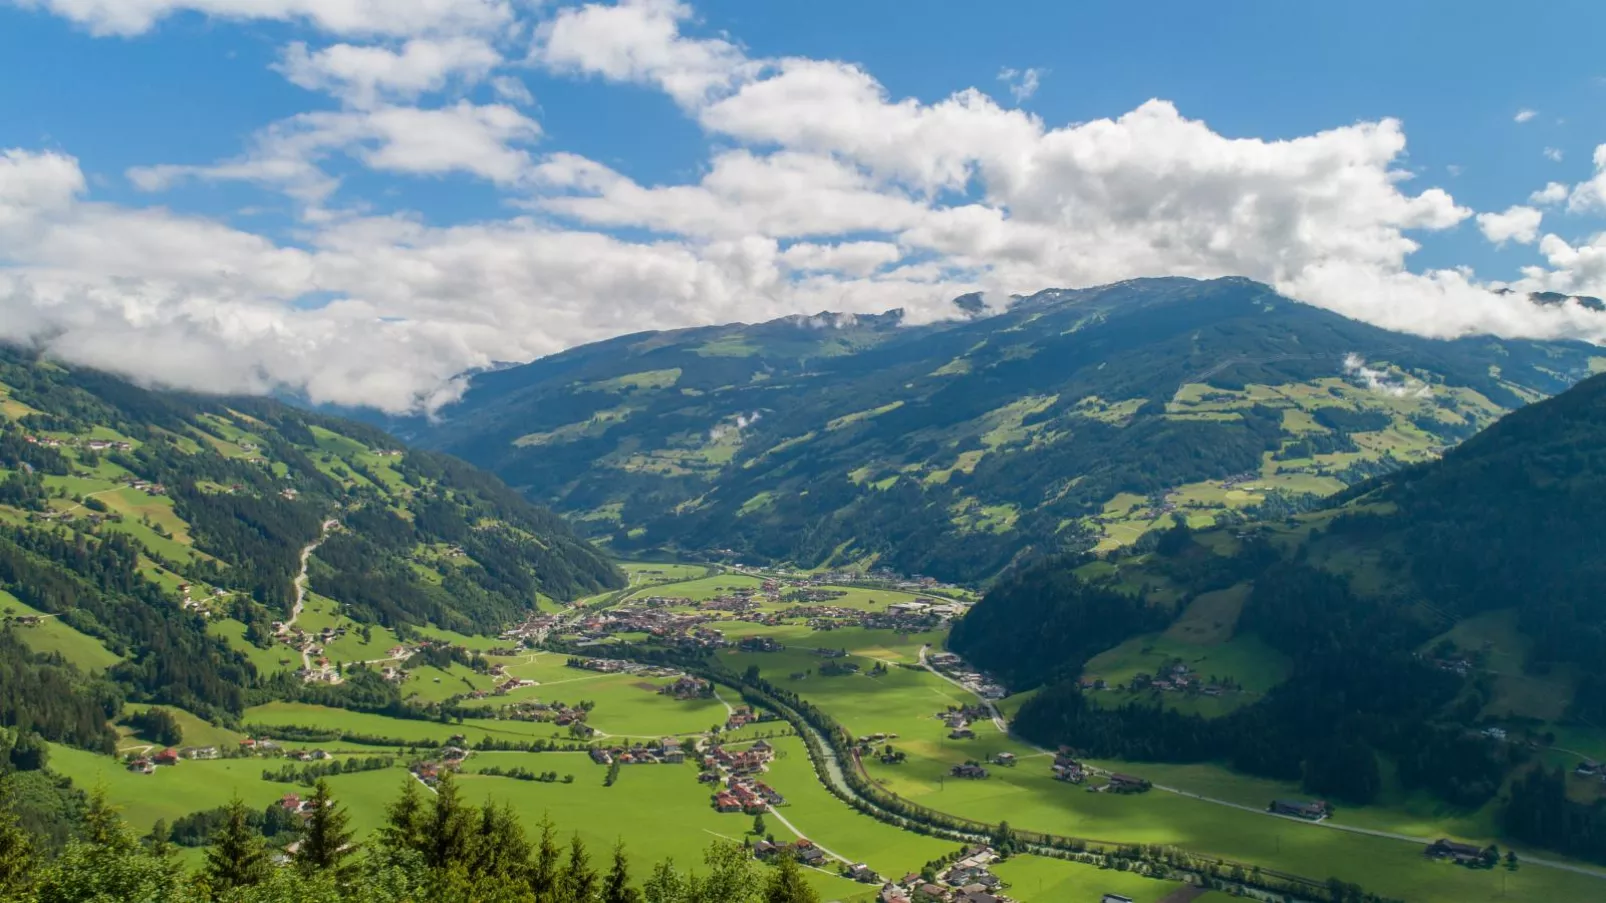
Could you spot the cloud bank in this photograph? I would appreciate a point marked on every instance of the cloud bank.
(821, 191)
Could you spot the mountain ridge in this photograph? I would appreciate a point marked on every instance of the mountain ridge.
(851, 446)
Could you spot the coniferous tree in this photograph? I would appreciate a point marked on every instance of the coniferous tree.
(447, 827)
(404, 819)
(544, 872)
(238, 857)
(501, 851)
(326, 842)
(788, 885)
(616, 888)
(578, 883)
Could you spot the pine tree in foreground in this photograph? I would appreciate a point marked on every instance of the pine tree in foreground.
(578, 883)
(238, 856)
(326, 844)
(616, 887)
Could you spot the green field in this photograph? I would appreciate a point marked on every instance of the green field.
(196, 732)
(52, 635)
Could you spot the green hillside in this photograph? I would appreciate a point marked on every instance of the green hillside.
(158, 538)
(1434, 635)
(1075, 420)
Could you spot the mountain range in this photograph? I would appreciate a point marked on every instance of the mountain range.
(1073, 420)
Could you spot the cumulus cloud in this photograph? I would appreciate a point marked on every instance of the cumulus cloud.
(480, 140)
(363, 75)
(822, 191)
(1590, 196)
(1552, 193)
(1525, 115)
(1518, 224)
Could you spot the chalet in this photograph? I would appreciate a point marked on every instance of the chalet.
(932, 891)
(1313, 811)
(1004, 758)
(601, 756)
(961, 733)
(1115, 898)
(863, 874)
(808, 853)
(1588, 768)
(141, 765)
(968, 771)
(892, 893)
(166, 757)
(1125, 783)
(290, 802)
(725, 802)
(1459, 853)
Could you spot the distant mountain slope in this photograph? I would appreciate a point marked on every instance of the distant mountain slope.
(1447, 618)
(170, 529)
(1076, 418)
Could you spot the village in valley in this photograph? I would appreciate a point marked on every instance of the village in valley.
(596, 702)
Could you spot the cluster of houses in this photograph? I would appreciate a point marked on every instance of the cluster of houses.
(451, 758)
(966, 881)
(533, 630)
(147, 764)
(619, 666)
(76, 442)
(735, 774)
(976, 682)
(1067, 769)
(664, 752)
(958, 720)
(688, 687)
(804, 851)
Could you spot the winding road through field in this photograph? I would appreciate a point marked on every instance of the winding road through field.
(301, 585)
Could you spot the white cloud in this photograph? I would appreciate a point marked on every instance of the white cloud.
(1023, 83)
(364, 75)
(1525, 115)
(344, 17)
(1553, 154)
(482, 141)
(1552, 193)
(639, 41)
(1518, 224)
(822, 191)
(1590, 196)
(853, 258)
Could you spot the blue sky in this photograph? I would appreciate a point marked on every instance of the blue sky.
(360, 198)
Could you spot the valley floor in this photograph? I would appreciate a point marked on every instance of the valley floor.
(662, 811)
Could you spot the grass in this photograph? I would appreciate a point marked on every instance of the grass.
(196, 732)
(267, 661)
(172, 791)
(1247, 660)
(52, 635)
(1035, 879)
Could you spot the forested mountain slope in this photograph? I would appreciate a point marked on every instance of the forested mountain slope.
(1443, 625)
(155, 538)
(1075, 419)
